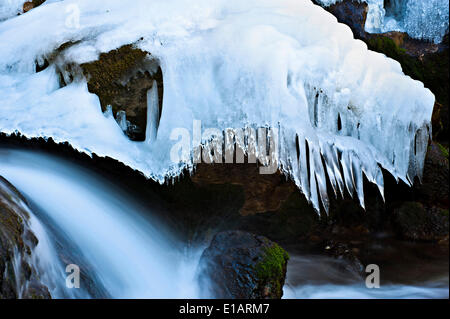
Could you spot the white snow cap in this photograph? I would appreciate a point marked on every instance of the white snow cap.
(228, 64)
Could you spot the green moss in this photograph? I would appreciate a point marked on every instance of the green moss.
(387, 46)
(431, 69)
(443, 150)
(272, 267)
(104, 75)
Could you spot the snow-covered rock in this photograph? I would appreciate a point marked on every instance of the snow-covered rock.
(283, 64)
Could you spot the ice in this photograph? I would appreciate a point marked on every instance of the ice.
(421, 19)
(10, 8)
(121, 119)
(226, 64)
(153, 113)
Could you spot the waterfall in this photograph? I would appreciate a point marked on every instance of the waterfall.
(130, 254)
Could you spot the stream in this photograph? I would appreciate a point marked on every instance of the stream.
(126, 251)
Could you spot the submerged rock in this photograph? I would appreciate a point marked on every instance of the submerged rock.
(243, 266)
(18, 279)
(343, 252)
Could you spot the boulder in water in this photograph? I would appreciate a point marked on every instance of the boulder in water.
(242, 265)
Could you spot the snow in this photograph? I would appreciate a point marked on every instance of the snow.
(10, 8)
(421, 19)
(283, 64)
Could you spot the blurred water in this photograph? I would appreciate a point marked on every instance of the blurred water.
(131, 254)
(319, 277)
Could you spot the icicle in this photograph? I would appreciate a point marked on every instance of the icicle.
(152, 113)
(357, 178)
(321, 179)
(108, 112)
(345, 162)
(121, 118)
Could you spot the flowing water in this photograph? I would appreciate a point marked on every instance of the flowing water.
(319, 277)
(124, 251)
(128, 253)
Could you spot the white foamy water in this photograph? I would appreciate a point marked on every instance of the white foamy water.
(132, 255)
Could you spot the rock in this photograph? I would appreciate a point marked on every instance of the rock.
(241, 265)
(439, 121)
(351, 13)
(343, 252)
(121, 79)
(27, 6)
(16, 245)
(422, 60)
(433, 191)
(413, 221)
(263, 192)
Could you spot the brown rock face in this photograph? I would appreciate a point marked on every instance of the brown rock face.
(121, 78)
(16, 244)
(27, 6)
(351, 13)
(262, 193)
(415, 222)
(435, 184)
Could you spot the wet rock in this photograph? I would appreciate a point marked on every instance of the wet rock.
(243, 266)
(18, 278)
(345, 253)
(414, 221)
(36, 290)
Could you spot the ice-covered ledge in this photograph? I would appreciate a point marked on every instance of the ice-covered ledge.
(228, 64)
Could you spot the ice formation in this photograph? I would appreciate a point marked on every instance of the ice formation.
(421, 19)
(342, 110)
(10, 8)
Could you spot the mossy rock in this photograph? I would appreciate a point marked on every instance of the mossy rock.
(271, 271)
(241, 265)
(121, 79)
